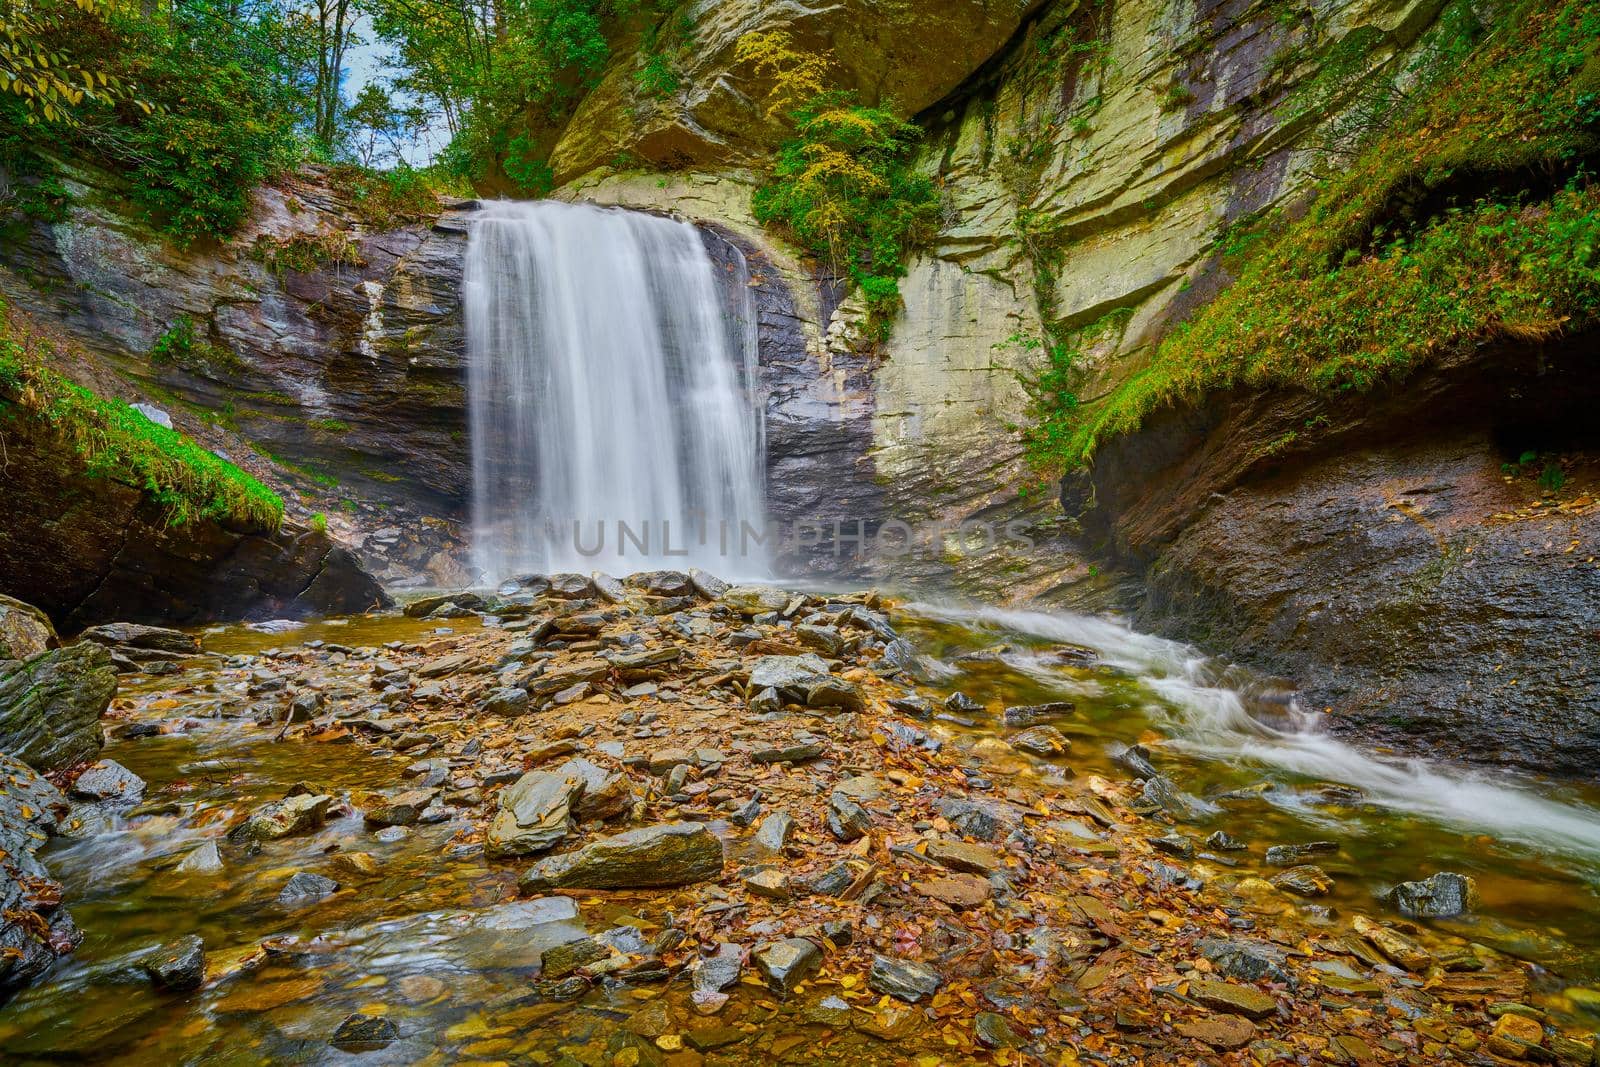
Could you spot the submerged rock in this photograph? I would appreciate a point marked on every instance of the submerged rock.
(1308, 880)
(50, 706)
(1043, 741)
(207, 859)
(1439, 896)
(655, 856)
(304, 887)
(1035, 714)
(1289, 855)
(361, 1032)
(178, 967)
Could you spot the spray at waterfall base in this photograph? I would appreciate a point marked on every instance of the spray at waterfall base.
(655, 540)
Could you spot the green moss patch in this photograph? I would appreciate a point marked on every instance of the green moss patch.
(1364, 288)
(115, 442)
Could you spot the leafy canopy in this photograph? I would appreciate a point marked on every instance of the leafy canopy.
(842, 186)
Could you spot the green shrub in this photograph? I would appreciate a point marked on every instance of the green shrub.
(385, 199)
(305, 252)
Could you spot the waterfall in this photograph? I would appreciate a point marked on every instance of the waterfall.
(611, 379)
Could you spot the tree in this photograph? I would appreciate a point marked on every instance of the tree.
(334, 23)
(51, 85)
(377, 129)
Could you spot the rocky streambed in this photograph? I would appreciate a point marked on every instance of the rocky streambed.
(666, 821)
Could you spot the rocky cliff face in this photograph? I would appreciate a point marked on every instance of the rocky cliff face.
(94, 549)
(325, 357)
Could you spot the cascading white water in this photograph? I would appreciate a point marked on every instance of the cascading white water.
(610, 389)
(1211, 720)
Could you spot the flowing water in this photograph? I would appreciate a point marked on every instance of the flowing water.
(1270, 772)
(437, 940)
(611, 375)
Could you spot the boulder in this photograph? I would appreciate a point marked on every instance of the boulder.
(960, 856)
(608, 587)
(571, 587)
(108, 780)
(30, 901)
(906, 979)
(1439, 896)
(772, 884)
(1247, 961)
(25, 631)
(604, 795)
(282, 818)
(707, 585)
(1230, 997)
(716, 973)
(535, 814)
(847, 820)
(785, 964)
(753, 600)
(774, 832)
(662, 583)
(835, 692)
(422, 607)
(508, 702)
(50, 706)
(178, 967)
(655, 856)
(825, 639)
(134, 635)
(792, 676)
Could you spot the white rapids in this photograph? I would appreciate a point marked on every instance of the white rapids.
(1211, 720)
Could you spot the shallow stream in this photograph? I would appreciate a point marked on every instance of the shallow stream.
(437, 940)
